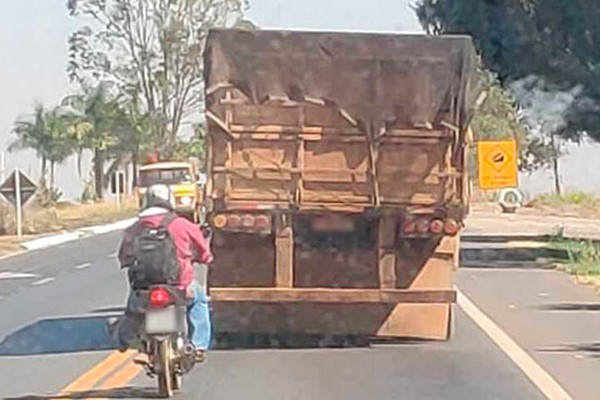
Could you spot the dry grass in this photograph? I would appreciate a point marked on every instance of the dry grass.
(64, 217)
(574, 204)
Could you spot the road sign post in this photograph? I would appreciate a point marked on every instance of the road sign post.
(19, 204)
(17, 189)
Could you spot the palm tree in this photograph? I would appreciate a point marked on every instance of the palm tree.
(61, 145)
(93, 122)
(46, 132)
(31, 134)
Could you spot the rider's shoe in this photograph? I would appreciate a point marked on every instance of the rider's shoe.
(200, 356)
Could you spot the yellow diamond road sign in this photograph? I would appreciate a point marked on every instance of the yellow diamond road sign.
(497, 164)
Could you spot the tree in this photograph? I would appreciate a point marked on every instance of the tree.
(131, 131)
(498, 118)
(93, 118)
(31, 134)
(557, 42)
(149, 48)
(47, 133)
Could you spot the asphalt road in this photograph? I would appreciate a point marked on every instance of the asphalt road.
(54, 302)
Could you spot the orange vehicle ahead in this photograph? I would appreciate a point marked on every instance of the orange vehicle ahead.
(337, 182)
(183, 179)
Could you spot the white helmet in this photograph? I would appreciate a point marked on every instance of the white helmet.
(158, 195)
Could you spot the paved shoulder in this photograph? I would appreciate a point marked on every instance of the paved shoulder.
(548, 315)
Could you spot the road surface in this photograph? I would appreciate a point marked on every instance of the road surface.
(54, 303)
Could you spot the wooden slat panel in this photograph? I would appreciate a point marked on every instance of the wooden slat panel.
(265, 114)
(332, 295)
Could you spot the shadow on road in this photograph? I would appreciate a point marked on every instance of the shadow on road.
(119, 393)
(570, 307)
(59, 335)
(507, 252)
(587, 350)
(109, 310)
(282, 342)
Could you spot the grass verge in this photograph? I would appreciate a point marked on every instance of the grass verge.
(64, 217)
(583, 260)
(577, 204)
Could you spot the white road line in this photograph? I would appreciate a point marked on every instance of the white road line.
(83, 266)
(16, 275)
(42, 281)
(542, 379)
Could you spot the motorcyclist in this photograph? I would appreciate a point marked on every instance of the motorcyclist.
(190, 244)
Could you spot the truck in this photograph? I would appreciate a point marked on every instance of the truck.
(337, 180)
(183, 178)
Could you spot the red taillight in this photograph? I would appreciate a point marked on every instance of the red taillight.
(234, 221)
(423, 226)
(262, 222)
(159, 297)
(451, 227)
(409, 226)
(436, 227)
(248, 221)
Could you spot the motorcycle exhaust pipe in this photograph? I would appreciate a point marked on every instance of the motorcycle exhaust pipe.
(189, 349)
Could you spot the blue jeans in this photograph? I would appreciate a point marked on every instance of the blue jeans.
(198, 315)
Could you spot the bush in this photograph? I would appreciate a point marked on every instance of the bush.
(584, 257)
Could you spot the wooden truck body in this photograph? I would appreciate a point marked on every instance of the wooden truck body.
(337, 182)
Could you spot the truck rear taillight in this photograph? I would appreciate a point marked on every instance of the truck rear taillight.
(262, 222)
(422, 226)
(234, 221)
(220, 221)
(451, 227)
(437, 226)
(244, 222)
(409, 227)
(426, 226)
(248, 221)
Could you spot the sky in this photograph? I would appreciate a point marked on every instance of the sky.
(33, 56)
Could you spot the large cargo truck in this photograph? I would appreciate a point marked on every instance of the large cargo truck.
(337, 180)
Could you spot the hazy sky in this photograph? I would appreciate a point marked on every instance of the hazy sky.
(33, 43)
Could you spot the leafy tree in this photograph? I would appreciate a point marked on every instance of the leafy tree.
(150, 48)
(498, 118)
(555, 41)
(190, 148)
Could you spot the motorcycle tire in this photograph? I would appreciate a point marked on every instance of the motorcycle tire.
(165, 373)
(177, 381)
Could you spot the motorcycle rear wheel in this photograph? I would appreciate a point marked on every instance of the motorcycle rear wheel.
(165, 372)
(177, 381)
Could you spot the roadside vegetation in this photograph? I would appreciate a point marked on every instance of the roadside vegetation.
(572, 204)
(582, 259)
(137, 79)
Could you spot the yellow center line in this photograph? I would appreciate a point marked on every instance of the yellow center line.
(95, 374)
(118, 380)
(122, 377)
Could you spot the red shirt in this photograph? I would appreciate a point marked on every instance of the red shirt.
(187, 237)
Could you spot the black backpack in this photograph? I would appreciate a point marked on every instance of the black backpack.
(155, 257)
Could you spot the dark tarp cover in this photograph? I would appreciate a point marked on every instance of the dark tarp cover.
(379, 79)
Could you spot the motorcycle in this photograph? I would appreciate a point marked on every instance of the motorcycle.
(164, 338)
